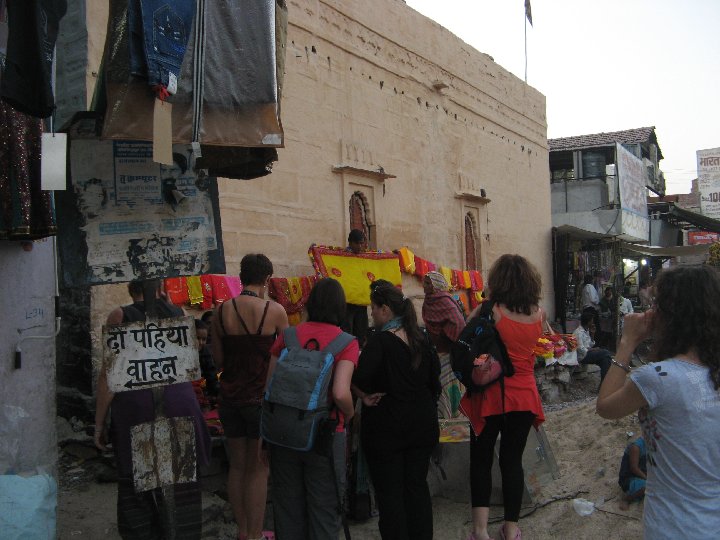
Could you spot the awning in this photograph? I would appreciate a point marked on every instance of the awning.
(703, 222)
(672, 251)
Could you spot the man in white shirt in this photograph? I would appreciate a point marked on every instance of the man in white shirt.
(589, 297)
(587, 352)
(625, 304)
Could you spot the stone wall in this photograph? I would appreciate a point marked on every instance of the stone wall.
(381, 100)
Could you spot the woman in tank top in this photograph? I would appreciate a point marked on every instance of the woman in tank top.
(243, 331)
(514, 287)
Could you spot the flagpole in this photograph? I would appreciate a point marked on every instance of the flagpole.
(525, 48)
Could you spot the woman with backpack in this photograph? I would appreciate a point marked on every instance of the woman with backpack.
(677, 400)
(514, 286)
(398, 381)
(307, 486)
(243, 330)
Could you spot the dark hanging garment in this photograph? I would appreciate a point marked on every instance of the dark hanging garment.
(215, 84)
(26, 212)
(27, 75)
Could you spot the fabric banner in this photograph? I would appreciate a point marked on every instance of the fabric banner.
(355, 272)
(291, 293)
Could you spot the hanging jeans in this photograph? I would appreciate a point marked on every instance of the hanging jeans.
(159, 31)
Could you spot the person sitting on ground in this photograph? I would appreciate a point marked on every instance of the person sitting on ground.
(633, 472)
(587, 352)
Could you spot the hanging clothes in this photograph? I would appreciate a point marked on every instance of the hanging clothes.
(27, 75)
(215, 83)
(26, 212)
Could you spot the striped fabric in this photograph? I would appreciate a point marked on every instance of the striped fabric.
(140, 515)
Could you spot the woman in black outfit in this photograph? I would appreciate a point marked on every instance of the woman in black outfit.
(398, 380)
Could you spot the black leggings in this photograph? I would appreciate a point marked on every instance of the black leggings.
(514, 427)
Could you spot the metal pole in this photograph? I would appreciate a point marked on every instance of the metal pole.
(525, 49)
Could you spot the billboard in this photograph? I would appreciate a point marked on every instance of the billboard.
(702, 237)
(632, 180)
(708, 170)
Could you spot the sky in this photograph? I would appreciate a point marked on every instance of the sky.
(608, 65)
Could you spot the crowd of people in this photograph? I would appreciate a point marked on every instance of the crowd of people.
(401, 373)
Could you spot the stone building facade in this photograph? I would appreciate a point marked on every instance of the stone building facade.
(434, 145)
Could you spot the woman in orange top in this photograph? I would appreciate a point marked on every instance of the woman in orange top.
(514, 286)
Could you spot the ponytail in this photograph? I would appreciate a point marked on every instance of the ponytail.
(402, 306)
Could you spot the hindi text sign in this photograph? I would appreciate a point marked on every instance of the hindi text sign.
(151, 353)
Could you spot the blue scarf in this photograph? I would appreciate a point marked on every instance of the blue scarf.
(392, 324)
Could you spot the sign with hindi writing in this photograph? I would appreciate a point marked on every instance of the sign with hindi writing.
(708, 170)
(151, 353)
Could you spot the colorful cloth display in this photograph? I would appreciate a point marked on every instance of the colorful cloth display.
(235, 285)
(292, 294)
(195, 290)
(407, 260)
(177, 290)
(447, 273)
(355, 272)
(421, 267)
(476, 280)
(207, 292)
(220, 289)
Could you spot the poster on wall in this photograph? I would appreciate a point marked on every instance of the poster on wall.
(126, 217)
(708, 170)
(632, 177)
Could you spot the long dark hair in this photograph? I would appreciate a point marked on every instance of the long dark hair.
(326, 303)
(401, 306)
(687, 316)
(515, 282)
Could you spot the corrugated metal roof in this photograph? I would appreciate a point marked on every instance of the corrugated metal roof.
(627, 136)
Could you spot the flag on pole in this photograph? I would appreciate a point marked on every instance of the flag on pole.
(528, 11)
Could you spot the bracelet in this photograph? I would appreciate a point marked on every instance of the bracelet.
(618, 364)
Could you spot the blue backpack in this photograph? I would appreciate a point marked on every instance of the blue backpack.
(296, 400)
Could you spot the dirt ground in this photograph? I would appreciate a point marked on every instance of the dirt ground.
(586, 447)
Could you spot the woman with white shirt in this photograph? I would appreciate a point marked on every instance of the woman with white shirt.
(677, 401)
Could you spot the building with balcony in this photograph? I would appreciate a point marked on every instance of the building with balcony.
(599, 187)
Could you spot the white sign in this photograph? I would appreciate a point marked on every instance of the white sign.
(151, 353)
(708, 170)
(632, 180)
(53, 161)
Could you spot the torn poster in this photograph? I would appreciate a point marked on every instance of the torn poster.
(137, 219)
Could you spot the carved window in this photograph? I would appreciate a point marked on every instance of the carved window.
(470, 243)
(359, 212)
